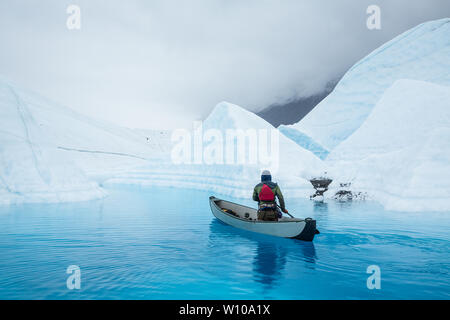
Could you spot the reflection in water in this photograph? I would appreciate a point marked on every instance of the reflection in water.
(344, 204)
(270, 253)
(308, 252)
(320, 207)
(269, 263)
(321, 214)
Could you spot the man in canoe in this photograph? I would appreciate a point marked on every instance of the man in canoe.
(265, 193)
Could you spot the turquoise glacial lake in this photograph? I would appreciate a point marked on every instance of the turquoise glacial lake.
(164, 243)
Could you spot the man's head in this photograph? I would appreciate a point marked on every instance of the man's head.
(266, 176)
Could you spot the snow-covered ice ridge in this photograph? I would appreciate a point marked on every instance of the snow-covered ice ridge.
(400, 155)
(421, 53)
(49, 153)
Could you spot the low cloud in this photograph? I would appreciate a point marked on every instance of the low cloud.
(162, 64)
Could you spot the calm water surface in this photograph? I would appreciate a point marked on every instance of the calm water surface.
(142, 243)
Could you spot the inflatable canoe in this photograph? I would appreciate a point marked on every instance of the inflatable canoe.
(246, 218)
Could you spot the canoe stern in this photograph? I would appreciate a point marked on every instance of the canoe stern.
(309, 231)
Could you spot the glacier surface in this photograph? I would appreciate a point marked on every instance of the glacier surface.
(49, 153)
(400, 155)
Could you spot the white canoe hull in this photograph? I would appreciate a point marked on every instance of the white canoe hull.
(246, 218)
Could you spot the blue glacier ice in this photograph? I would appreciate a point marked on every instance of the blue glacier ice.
(304, 141)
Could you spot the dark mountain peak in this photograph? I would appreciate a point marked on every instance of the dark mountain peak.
(293, 111)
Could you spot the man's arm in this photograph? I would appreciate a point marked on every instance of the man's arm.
(280, 198)
(255, 195)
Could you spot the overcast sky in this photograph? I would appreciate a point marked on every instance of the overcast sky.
(162, 64)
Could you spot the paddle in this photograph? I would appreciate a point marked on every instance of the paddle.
(284, 212)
